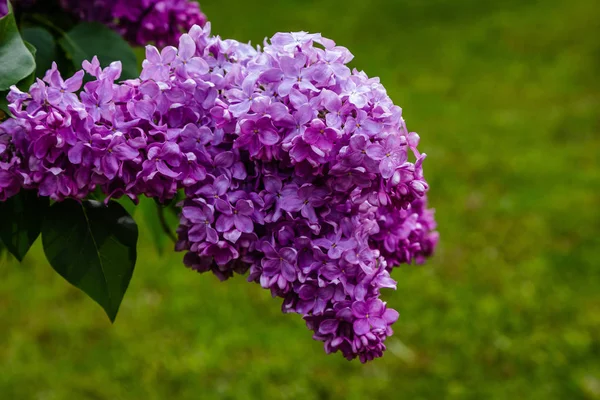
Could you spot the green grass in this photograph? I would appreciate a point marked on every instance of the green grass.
(506, 99)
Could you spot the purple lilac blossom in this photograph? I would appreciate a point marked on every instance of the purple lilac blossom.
(336, 203)
(295, 168)
(141, 21)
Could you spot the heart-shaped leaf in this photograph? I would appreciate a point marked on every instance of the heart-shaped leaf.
(16, 61)
(21, 217)
(93, 246)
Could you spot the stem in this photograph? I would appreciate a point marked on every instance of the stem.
(164, 224)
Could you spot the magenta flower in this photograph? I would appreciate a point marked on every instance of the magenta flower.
(113, 157)
(238, 216)
(320, 137)
(254, 134)
(303, 199)
(186, 63)
(336, 110)
(279, 262)
(357, 94)
(362, 124)
(223, 253)
(273, 186)
(216, 190)
(335, 245)
(99, 101)
(244, 97)
(391, 154)
(157, 65)
(292, 41)
(313, 299)
(294, 74)
(61, 91)
(202, 216)
(369, 315)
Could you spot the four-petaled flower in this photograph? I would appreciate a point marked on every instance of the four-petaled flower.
(303, 199)
(202, 215)
(391, 154)
(320, 137)
(254, 134)
(279, 262)
(335, 245)
(369, 316)
(238, 216)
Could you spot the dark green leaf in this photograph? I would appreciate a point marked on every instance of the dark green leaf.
(44, 43)
(93, 246)
(16, 61)
(87, 40)
(22, 217)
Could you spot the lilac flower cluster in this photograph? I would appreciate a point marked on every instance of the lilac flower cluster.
(69, 143)
(320, 200)
(141, 21)
(295, 168)
(123, 138)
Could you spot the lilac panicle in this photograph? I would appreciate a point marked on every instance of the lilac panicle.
(318, 155)
(295, 168)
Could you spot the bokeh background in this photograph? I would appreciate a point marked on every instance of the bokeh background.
(506, 98)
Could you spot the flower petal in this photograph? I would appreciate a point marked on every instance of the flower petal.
(361, 326)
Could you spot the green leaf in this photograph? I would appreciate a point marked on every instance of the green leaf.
(16, 61)
(22, 217)
(92, 246)
(45, 45)
(89, 39)
(25, 83)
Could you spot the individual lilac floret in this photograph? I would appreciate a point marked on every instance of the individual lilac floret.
(141, 21)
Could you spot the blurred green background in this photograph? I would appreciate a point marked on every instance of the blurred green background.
(506, 99)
